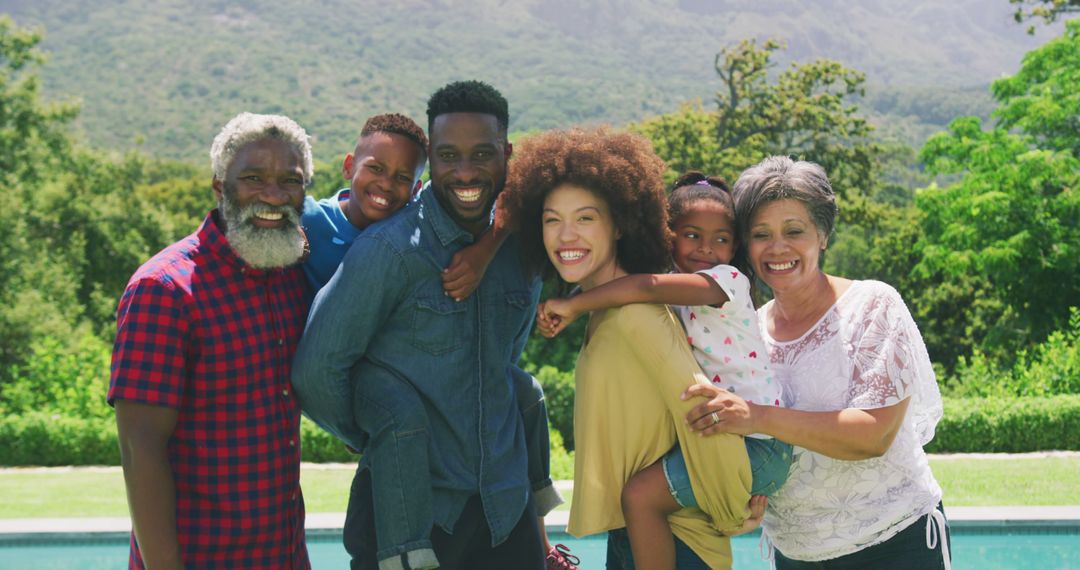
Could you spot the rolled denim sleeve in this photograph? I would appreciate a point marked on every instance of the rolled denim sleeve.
(344, 317)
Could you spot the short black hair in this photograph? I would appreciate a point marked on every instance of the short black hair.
(398, 124)
(469, 97)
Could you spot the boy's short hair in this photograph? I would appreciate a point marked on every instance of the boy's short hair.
(398, 124)
(469, 97)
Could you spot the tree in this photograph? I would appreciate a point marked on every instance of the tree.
(1046, 10)
(806, 112)
(1011, 219)
(1043, 99)
(74, 222)
(34, 147)
(33, 136)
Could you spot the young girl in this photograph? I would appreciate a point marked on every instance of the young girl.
(714, 303)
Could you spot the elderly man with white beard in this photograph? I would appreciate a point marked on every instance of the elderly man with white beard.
(208, 424)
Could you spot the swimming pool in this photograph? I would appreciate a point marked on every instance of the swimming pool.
(994, 548)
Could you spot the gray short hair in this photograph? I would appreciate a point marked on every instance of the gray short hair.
(249, 127)
(780, 178)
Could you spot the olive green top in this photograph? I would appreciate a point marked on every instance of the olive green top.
(627, 415)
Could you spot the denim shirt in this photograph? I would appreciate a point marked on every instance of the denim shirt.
(384, 313)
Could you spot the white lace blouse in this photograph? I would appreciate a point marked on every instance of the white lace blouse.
(865, 352)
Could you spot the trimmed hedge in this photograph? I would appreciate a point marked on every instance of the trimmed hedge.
(1008, 425)
(970, 425)
(41, 438)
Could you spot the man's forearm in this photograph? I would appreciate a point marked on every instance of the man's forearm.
(151, 494)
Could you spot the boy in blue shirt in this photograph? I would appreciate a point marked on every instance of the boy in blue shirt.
(384, 173)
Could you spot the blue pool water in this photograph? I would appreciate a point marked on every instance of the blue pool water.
(1040, 548)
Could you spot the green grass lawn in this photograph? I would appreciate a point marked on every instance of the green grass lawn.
(967, 482)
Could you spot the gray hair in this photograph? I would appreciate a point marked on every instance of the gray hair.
(780, 178)
(249, 127)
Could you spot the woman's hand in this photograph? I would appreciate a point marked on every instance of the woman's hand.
(757, 513)
(554, 315)
(724, 412)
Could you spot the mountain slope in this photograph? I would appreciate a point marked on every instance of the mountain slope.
(164, 75)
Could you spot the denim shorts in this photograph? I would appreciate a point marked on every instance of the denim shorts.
(770, 461)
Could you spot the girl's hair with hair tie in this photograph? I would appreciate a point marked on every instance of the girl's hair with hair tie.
(693, 187)
(700, 179)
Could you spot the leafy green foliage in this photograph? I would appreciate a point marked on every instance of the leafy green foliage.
(33, 137)
(806, 111)
(1011, 220)
(55, 379)
(1043, 98)
(34, 147)
(1049, 369)
(318, 446)
(1046, 10)
(1008, 224)
(1008, 425)
(39, 438)
(559, 397)
(1012, 425)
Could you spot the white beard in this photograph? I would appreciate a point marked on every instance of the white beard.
(262, 248)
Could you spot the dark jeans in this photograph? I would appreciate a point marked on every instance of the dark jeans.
(393, 418)
(904, 551)
(619, 556)
(469, 547)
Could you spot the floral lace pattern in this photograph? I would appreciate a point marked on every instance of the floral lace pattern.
(865, 352)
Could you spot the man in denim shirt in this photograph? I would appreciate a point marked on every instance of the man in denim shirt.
(384, 316)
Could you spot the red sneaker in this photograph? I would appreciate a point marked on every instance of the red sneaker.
(559, 558)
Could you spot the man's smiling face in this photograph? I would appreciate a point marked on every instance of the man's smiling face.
(468, 166)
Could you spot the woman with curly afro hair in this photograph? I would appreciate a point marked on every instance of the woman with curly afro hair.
(589, 207)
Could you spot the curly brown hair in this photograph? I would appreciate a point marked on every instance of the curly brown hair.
(621, 168)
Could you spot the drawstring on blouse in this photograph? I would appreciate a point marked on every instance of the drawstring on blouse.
(766, 549)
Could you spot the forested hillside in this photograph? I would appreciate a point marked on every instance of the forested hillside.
(162, 75)
(954, 151)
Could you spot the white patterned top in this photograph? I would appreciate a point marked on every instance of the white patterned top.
(865, 352)
(727, 342)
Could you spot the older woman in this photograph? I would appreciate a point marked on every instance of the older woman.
(860, 394)
(589, 206)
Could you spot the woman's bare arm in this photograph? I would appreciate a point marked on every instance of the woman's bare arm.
(849, 434)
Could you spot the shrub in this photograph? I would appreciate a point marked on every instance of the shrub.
(70, 381)
(1008, 425)
(318, 446)
(970, 425)
(559, 396)
(40, 438)
(562, 461)
(1050, 368)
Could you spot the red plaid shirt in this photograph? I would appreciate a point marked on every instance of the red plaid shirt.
(201, 332)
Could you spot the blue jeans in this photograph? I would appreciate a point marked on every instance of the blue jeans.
(770, 462)
(470, 546)
(619, 556)
(394, 418)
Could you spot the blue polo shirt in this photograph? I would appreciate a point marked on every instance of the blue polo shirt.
(329, 235)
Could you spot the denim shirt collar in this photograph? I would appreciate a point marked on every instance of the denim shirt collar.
(447, 230)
